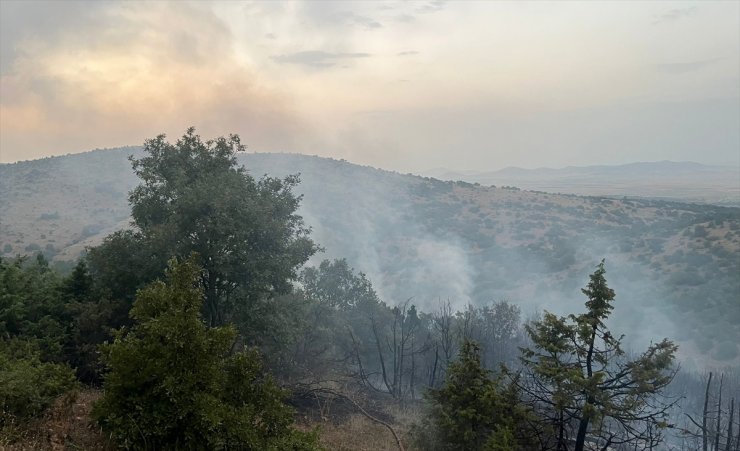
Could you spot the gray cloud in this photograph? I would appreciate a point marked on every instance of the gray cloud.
(148, 69)
(675, 14)
(336, 14)
(423, 8)
(407, 53)
(405, 18)
(683, 67)
(363, 21)
(317, 58)
(431, 7)
(42, 21)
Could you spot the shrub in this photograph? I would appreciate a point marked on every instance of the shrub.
(175, 384)
(28, 385)
(473, 411)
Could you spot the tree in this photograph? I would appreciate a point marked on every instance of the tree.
(581, 378)
(473, 411)
(92, 315)
(173, 382)
(32, 337)
(31, 308)
(194, 198)
(334, 284)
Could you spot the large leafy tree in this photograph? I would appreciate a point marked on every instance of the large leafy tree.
(582, 380)
(175, 383)
(193, 197)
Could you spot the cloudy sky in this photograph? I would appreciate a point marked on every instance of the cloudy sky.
(400, 85)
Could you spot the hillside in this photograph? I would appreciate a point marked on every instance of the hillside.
(667, 180)
(674, 265)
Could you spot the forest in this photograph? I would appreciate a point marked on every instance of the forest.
(209, 323)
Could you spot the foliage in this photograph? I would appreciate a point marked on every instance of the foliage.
(28, 385)
(351, 206)
(473, 411)
(173, 382)
(193, 198)
(580, 378)
(31, 307)
(93, 316)
(336, 285)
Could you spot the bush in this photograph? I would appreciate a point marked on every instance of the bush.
(473, 411)
(28, 385)
(175, 384)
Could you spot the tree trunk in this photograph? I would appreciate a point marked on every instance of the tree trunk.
(704, 437)
(380, 356)
(583, 427)
(434, 367)
(585, 417)
(737, 439)
(561, 433)
(728, 447)
(719, 414)
(413, 370)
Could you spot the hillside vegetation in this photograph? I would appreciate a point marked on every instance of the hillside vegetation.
(434, 240)
(665, 180)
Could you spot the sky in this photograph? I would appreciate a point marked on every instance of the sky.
(408, 86)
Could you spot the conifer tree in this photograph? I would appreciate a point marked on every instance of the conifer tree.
(473, 411)
(582, 380)
(174, 383)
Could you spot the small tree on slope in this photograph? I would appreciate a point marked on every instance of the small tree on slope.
(581, 379)
(473, 411)
(173, 383)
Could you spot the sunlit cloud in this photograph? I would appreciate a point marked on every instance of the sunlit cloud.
(149, 72)
(318, 58)
(402, 85)
(675, 14)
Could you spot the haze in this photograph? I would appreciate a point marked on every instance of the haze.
(399, 85)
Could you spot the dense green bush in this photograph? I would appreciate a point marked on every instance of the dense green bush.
(174, 383)
(473, 411)
(28, 385)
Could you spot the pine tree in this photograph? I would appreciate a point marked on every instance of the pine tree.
(581, 379)
(473, 411)
(173, 382)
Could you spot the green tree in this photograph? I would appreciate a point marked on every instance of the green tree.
(336, 327)
(173, 382)
(473, 411)
(32, 336)
(27, 384)
(582, 379)
(194, 198)
(335, 284)
(92, 316)
(31, 307)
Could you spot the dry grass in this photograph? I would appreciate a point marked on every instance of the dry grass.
(65, 426)
(357, 433)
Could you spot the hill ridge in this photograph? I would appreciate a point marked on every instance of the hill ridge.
(430, 239)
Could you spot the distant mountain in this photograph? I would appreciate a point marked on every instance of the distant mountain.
(673, 265)
(680, 181)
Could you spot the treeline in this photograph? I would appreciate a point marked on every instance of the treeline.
(193, 319)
